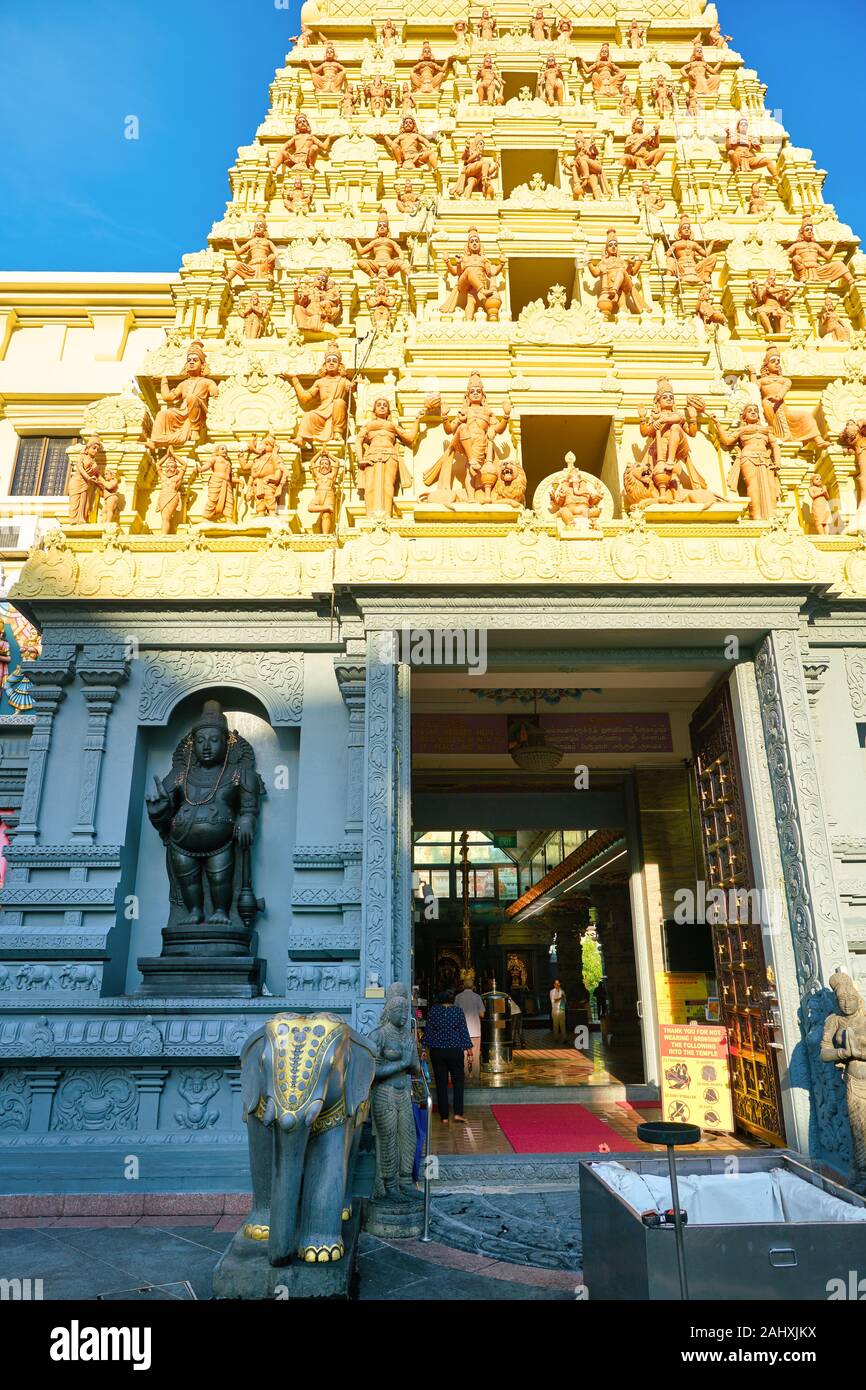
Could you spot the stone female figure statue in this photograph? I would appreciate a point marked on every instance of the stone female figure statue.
(758, 461)
(391, 1099)
(844, 1045)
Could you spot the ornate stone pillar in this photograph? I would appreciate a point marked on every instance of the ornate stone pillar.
(101, 683)
(352, 678)
(48, 680)
(807, 870)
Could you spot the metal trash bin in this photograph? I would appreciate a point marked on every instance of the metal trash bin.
(764, 1260)
(496, 1039)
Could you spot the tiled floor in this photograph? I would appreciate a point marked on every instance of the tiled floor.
(540, 1063)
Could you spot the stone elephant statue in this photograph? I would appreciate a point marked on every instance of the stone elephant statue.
(306, 1081)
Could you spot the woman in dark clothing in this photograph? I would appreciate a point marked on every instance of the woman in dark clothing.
(446, 1038)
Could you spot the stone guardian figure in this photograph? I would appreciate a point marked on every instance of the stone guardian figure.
(844, 1045)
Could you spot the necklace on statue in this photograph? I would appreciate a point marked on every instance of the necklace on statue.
(214, 789)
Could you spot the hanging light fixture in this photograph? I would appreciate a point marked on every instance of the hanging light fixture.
(535, 754)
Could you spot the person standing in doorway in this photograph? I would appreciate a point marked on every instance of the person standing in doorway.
(557, 1013)
(516, 1023)
(447, 1041)
(473, 1008)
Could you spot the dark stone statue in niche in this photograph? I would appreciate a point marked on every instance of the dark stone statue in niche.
(206, 811)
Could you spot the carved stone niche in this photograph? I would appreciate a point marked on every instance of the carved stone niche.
(588, 527)
(253, 401)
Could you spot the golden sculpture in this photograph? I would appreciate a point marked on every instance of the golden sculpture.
(326, 470)
(381, 458)
(489, 86)
(255, 258)
(478, 170)
(325, 404)
(183, 420)
(813, 263)
(690, 260)
(786, 423)
(256, 316)
(317, 304)
(84, 481)
(410, 148)
(476, 282)
(773, 300)
(303, 148)
(585, 170)
(745, 155)
(329, 75)
(220, 502)
(758, 461)
(471, 432)
(642, 149)
(428, 75)
(617, 277)
(381, 253)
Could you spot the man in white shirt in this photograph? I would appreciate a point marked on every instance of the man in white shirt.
(473, 1007)
(557, 1013)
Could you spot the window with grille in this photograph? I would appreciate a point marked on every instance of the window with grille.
(41, 466)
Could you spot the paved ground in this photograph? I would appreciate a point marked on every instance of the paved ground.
(83, 1257)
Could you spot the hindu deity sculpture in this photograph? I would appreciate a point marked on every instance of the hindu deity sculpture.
(853, 440)
(575, 498)
(383, 303)
(843, 1044)
(785, 422)
(691, 261)
(183, 420)
(326, 471)
(350, 101)
(617, 279)
(669, 430)
(408, 104)
(408, 201)
(708, 311)
(626, 101)
(485, 27)
(317, 304)
(256, 258)
(308, 38)
(813, 263)
(550, 86)
(585, 169)
(562, 29)
(650, 199)
(256, 316)
(476, 282)
(661, 96)
(220, 503)
(112, 498)
(716, 38)
(831, 323)
(478, 171)
(758, 204)
(820, 506)
(704, 78)
(538, 26)
(205, 810)
(489, 86)
(297, 198)
(746, 154)
(410, 148)
(303, 148)
(378, 95)
(642, 149)
(172, 472)
(389, 34)
(636, 34)
(381, 253)
(428, 75)
(84, 481)
(773, 304)
(397, 1062)
(603, 74)
(325, 404)
(757, 462)
(266, 475)
(471, 432)
(381, 458)
(460, 30)
(329, 75)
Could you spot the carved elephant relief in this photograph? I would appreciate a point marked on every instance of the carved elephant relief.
(34, 977)
(306, 1082)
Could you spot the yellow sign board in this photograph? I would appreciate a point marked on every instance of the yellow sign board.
(681, 996)
(696, 1079)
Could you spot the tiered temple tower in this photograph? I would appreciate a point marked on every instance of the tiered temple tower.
(513, 319)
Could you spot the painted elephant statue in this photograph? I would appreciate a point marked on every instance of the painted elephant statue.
(306, 1082)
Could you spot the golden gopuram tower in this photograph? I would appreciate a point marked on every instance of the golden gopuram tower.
(548, 297)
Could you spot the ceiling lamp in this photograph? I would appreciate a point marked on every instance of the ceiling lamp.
(533, 753)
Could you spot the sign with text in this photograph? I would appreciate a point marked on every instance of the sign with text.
(681, 996)
(572, 733)
(696, 1078)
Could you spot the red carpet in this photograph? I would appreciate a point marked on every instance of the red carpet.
(564, 1129)
(640, 1105)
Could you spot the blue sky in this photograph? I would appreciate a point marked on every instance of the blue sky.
(77, 195)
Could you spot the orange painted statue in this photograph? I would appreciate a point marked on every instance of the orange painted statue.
(325, 404)
(489, 86)
(853, 440)
(617, 277)
(329, 75)
(183, 420)
(758, 461)
(575, 498)
(476, 282)
(266, 474)
(820, 506)
(478, 171)
(550, 86)
(410, 148)
(84, 480)
(669, 430)
(704, 78)
(255, 258)
(773, 304)
(381, 253)
(471, 432)
(816, 264)
(303, 148)
(746, 155)
(786, 423)
(832, 324)
(220, 504)
(585, 169)
(381, 458)
(642, 149)
(691, 261)
(172, 472)
(326, 471)
(603, 74)
(428, 75)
